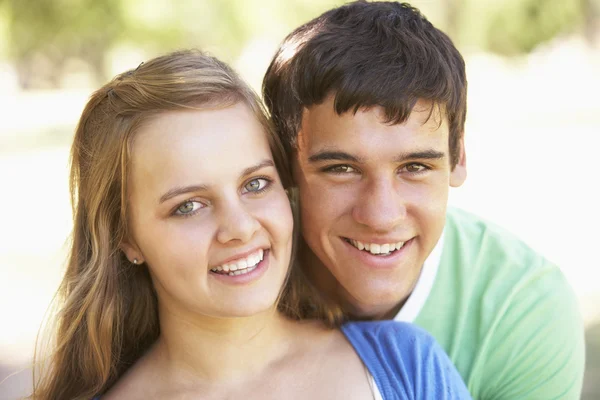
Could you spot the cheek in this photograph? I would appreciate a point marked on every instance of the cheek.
(178, 262)
(276, 217)
(428, 209)
(430, 193)
(323, 202)
(176, 244)
(314, 211)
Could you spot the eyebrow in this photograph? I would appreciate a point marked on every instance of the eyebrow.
(262, 164)
(181, 190)
(343, 156)
(202, 188)
(333, 156)
(421, 155)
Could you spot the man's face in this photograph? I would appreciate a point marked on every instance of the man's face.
(373, 201)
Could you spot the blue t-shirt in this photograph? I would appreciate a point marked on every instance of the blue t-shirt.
(405, 361)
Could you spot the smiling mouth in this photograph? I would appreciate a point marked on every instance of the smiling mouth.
(376, 249)
(241, 266)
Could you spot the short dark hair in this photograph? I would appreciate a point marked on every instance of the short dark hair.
(367, 54)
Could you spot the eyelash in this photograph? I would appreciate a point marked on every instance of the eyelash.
(424, 169)
(264, 189)
(190, 214)
(331, 168)
(267, 186)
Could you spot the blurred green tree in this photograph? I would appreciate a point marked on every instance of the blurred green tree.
(47, 36)
(518, 26)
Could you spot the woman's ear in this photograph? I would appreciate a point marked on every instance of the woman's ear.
(132, 252)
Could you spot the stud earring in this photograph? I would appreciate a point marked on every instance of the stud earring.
(135, 261)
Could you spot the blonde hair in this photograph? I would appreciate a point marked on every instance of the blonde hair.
(108, 308)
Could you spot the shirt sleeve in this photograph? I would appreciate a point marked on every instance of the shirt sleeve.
(437, 377)
(405, 361)
(537, 350)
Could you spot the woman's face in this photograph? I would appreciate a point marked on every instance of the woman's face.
(208, 213)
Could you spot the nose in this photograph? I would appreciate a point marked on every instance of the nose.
(236, 223)
(381, 206)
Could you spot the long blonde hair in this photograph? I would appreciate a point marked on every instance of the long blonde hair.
(107, 306)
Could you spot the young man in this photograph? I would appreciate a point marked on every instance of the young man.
(370, 100)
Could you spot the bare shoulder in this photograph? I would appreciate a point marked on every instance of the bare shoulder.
(329, 364)
(315, 340)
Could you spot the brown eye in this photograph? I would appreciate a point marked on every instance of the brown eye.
(341, 169)
(415, 168)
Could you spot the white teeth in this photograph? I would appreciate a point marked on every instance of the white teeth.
(242, 266)
(375, 248)
(242, 272)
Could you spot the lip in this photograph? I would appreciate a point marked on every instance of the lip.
(240, 256)
(378, 262)
(251, 276)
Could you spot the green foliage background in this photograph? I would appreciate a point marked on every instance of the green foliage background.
(39, 36)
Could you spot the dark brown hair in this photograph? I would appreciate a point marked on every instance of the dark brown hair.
(367, 54)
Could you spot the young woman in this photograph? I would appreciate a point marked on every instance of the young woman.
(178, 284)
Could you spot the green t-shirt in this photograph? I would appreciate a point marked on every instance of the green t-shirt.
(507, 317)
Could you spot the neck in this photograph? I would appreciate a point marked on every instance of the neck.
(373, 313)
(220, 349)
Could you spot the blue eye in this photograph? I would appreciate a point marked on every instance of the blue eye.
(256, 185)
(189, 207)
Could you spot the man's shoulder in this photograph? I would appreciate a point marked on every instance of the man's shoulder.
(490, 263)
(464, 226)
(484, 248)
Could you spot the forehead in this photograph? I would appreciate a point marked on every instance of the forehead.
(367, 128)
(197, 146)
